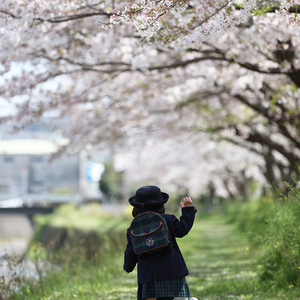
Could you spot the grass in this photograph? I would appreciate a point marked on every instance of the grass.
(87, 217)
(222, 266)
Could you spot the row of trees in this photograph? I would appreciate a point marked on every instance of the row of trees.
(239, 84)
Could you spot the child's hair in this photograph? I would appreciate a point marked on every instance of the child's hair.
(137, 210)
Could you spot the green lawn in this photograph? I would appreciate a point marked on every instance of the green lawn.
(222, 266)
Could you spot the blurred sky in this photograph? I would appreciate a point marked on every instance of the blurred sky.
(8, 107)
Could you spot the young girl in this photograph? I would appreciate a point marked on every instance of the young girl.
(161, 276)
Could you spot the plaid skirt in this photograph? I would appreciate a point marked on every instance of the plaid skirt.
(176, 287)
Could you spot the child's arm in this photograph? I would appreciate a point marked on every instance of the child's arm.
(181, 227)
(130, 258)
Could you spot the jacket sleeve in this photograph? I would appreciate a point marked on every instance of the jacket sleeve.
(180, 228)
(130, 258)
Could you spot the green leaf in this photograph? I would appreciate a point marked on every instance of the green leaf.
(261, 11)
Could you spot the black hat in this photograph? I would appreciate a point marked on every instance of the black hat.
(148, 196)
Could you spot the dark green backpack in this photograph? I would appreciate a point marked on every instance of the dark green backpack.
(149, 233)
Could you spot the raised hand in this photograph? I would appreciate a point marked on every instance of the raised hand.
(187, 201)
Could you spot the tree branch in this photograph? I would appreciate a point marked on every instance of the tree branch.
(212, 15)
(197, 97)
(10, 14)
(89, 67)
(247, 146)
(72, 17)
(265, 140)
(292, 10)
(271, 118)
(257, 107)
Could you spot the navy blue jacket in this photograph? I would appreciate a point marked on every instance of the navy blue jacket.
(167, 264)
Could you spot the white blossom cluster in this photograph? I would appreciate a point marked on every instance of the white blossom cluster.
(213, 22)
(146, 15)
(294, 19)
(18, 18)
(212, 18)
(204, 20)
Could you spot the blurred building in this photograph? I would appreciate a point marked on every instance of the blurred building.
(29, 177)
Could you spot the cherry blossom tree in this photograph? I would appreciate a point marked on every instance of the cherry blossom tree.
(188, 71)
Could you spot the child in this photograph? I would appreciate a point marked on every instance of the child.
(161, 276)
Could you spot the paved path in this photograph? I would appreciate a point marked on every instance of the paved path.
(15, 226)
(15, 232)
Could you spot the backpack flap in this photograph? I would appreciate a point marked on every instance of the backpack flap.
(147, 230)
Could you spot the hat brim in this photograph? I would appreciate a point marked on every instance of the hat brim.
(165, 198)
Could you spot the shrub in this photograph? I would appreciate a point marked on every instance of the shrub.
(274, 223)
